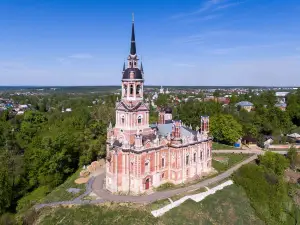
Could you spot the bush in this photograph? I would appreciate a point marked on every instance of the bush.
(30, 217)
(165, 186)
(7, 219)
(268, 193)
(32, 198)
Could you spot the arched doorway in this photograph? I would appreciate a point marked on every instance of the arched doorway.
(147, 183)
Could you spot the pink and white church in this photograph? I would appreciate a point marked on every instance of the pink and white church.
(142, 156)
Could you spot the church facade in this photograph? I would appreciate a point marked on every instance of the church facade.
(141, 156)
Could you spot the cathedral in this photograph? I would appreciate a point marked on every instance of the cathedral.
(142, 156)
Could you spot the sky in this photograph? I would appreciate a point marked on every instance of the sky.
(204, 42)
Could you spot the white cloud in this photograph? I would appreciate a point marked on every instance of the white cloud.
(184, 65)
(206, 7)
(78, 56)
(228, 5)
(81, 56)
(223, 51)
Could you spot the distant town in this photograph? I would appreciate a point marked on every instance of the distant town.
(176, 95)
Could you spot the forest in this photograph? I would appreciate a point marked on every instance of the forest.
(42, 148)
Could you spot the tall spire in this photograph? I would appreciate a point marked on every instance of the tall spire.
(132, 47)
(142, 69)
(124, 67)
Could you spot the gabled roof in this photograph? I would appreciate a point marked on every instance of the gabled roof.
(165, 129)
(280, 105)
(244, 103)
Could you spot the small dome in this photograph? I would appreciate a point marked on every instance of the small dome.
(132, 73)
(168, 110)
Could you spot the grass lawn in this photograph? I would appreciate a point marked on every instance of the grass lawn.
(61, 194)
(93, 215)
(228, 206)
(229, 160)
(170, 186)
(179, 196)
(219, 146)
(158, 204)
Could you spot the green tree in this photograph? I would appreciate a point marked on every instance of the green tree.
(5, 188)
(162, 100)
(225, 129)
(292, 156)
(275, 162)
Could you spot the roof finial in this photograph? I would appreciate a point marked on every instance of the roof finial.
(133, 17)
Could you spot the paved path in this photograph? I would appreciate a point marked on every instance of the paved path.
(97, 187)
(96, 183)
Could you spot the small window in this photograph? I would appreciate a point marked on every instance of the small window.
(147, 166)
(131, 166)
(187, 160)
(123, 120)
(162, 175)
(195, 157)
(131, 89)
(163, 162)
(138, 88)
(139, 119)
(201, 155)
(125, 89)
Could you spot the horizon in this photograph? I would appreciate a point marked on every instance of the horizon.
(208, 43)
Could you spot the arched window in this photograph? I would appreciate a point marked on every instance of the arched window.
(123, 119)
(147, 166)
(201, 155)
(194, 156)
(138, 88)
(139, 119)
(125, 89)
(131, 89)
(131, 166)
(163, 162)
(187, 160)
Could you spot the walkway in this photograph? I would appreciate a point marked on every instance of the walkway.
(97, 187)
(96, 184)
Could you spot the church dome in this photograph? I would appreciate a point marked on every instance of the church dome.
(168, 110)
(132, 73)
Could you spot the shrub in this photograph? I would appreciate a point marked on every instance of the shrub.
(32, 198)
(165, 186)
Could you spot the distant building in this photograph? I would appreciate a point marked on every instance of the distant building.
(281, 106)
(248, 106)
(281, 96)
(161, 90)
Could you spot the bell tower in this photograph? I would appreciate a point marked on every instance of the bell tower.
(133, 77)
(131, 112)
